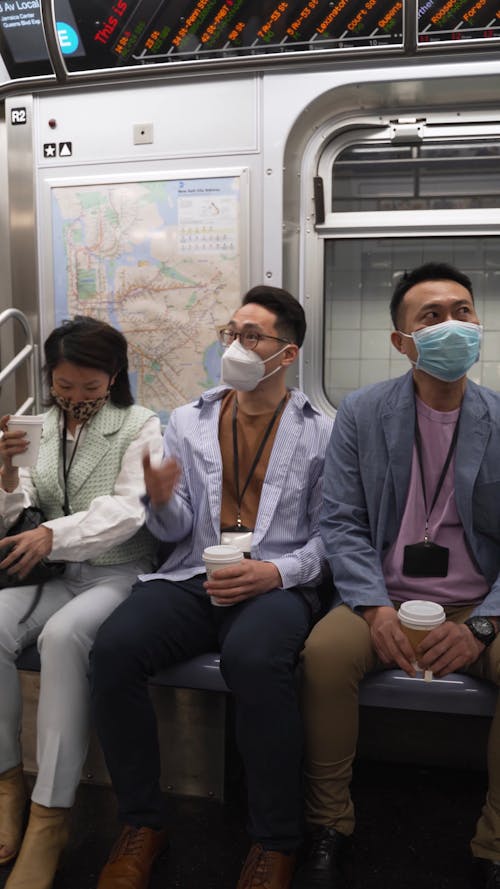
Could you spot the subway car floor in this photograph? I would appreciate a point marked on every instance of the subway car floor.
(414, 827)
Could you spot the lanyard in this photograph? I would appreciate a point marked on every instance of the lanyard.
(446, 466)
(66, 468)
(236, 461)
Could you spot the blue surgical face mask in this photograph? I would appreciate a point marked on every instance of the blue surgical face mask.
(447, 350)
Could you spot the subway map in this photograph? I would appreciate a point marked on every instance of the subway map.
(161, 261)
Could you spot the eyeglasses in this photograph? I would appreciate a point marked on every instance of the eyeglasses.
(249, 339)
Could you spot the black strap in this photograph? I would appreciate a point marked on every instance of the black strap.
(66, 469)
(236, 461)
(446, 466)
(34, 602)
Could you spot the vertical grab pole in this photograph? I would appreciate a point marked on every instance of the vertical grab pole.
(29, 354)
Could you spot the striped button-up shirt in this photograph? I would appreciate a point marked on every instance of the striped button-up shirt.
(286, 530)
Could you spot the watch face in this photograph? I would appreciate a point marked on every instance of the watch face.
(482, 628)
(483, 625)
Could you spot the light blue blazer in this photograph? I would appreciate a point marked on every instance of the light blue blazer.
(367, 475)
(287, 525)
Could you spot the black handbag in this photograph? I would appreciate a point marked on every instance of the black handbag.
(30, 518)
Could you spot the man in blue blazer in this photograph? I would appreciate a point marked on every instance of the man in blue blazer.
(244, 461)
(411, 512)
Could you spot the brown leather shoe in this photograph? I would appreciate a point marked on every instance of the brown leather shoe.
(266, 869)
(46, 836)
(132, 857)
(13, 798)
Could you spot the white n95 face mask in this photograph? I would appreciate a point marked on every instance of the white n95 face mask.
(242, 369)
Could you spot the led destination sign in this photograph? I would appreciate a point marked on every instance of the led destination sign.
(455, 20)
(101, 34)
(22, 42)
(95, 34)
(21, 35)
(135, 32)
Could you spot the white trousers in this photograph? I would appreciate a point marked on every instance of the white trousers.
(65, 622)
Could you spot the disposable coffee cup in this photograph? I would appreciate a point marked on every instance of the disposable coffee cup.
(417, 618)
(220, 556)
(32, 426)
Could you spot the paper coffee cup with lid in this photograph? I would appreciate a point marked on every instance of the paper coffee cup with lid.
(220, 556)
(32, 426)
(417, 618)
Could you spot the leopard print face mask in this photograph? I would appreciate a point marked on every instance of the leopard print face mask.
(81, 411)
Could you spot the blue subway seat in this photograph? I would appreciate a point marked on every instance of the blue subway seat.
(201, 672)
(455, 693)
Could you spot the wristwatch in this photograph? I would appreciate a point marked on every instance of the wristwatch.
(482, 628)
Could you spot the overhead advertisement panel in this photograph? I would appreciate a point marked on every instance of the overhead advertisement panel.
(458, 20)
(100, 34)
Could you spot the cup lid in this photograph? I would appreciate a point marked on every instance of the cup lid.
(223, 552)
(419, 613)
(29, 419)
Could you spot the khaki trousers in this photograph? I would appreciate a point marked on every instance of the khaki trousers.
(337, 655)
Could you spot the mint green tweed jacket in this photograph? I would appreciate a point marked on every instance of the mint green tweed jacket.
(95, 468)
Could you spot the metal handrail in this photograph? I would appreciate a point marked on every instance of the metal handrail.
(28, 354)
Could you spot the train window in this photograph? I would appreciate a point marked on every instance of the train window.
(391, 204)
(417, 177)
(359, 279)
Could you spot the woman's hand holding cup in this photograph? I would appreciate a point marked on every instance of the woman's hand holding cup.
(12, 443)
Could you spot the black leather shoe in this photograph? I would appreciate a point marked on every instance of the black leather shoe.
(322, 865)
(488, 873)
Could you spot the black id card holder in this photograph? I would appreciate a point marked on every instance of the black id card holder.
(425, 559)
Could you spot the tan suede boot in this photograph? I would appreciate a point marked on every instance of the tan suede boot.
(13, 796)
(45, 838)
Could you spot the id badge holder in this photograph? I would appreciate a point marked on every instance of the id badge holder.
(426, 559)
(239, 537)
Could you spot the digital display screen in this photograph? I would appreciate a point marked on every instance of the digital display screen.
(146, 31)
(100, 34)
(22, 41)
(135, 32)
(455, 20)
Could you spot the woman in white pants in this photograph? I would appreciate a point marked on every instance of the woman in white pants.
(88, 480)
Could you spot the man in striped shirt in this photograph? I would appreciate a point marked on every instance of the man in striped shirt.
(244, 460)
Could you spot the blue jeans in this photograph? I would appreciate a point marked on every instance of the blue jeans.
(164, 622)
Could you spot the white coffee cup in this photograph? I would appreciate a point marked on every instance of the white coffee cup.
(32, 426)
(417, 618)
(220, 556)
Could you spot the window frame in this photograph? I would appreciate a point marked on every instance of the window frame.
(373, 224)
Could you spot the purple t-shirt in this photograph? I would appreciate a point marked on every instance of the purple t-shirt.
(464, 583)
